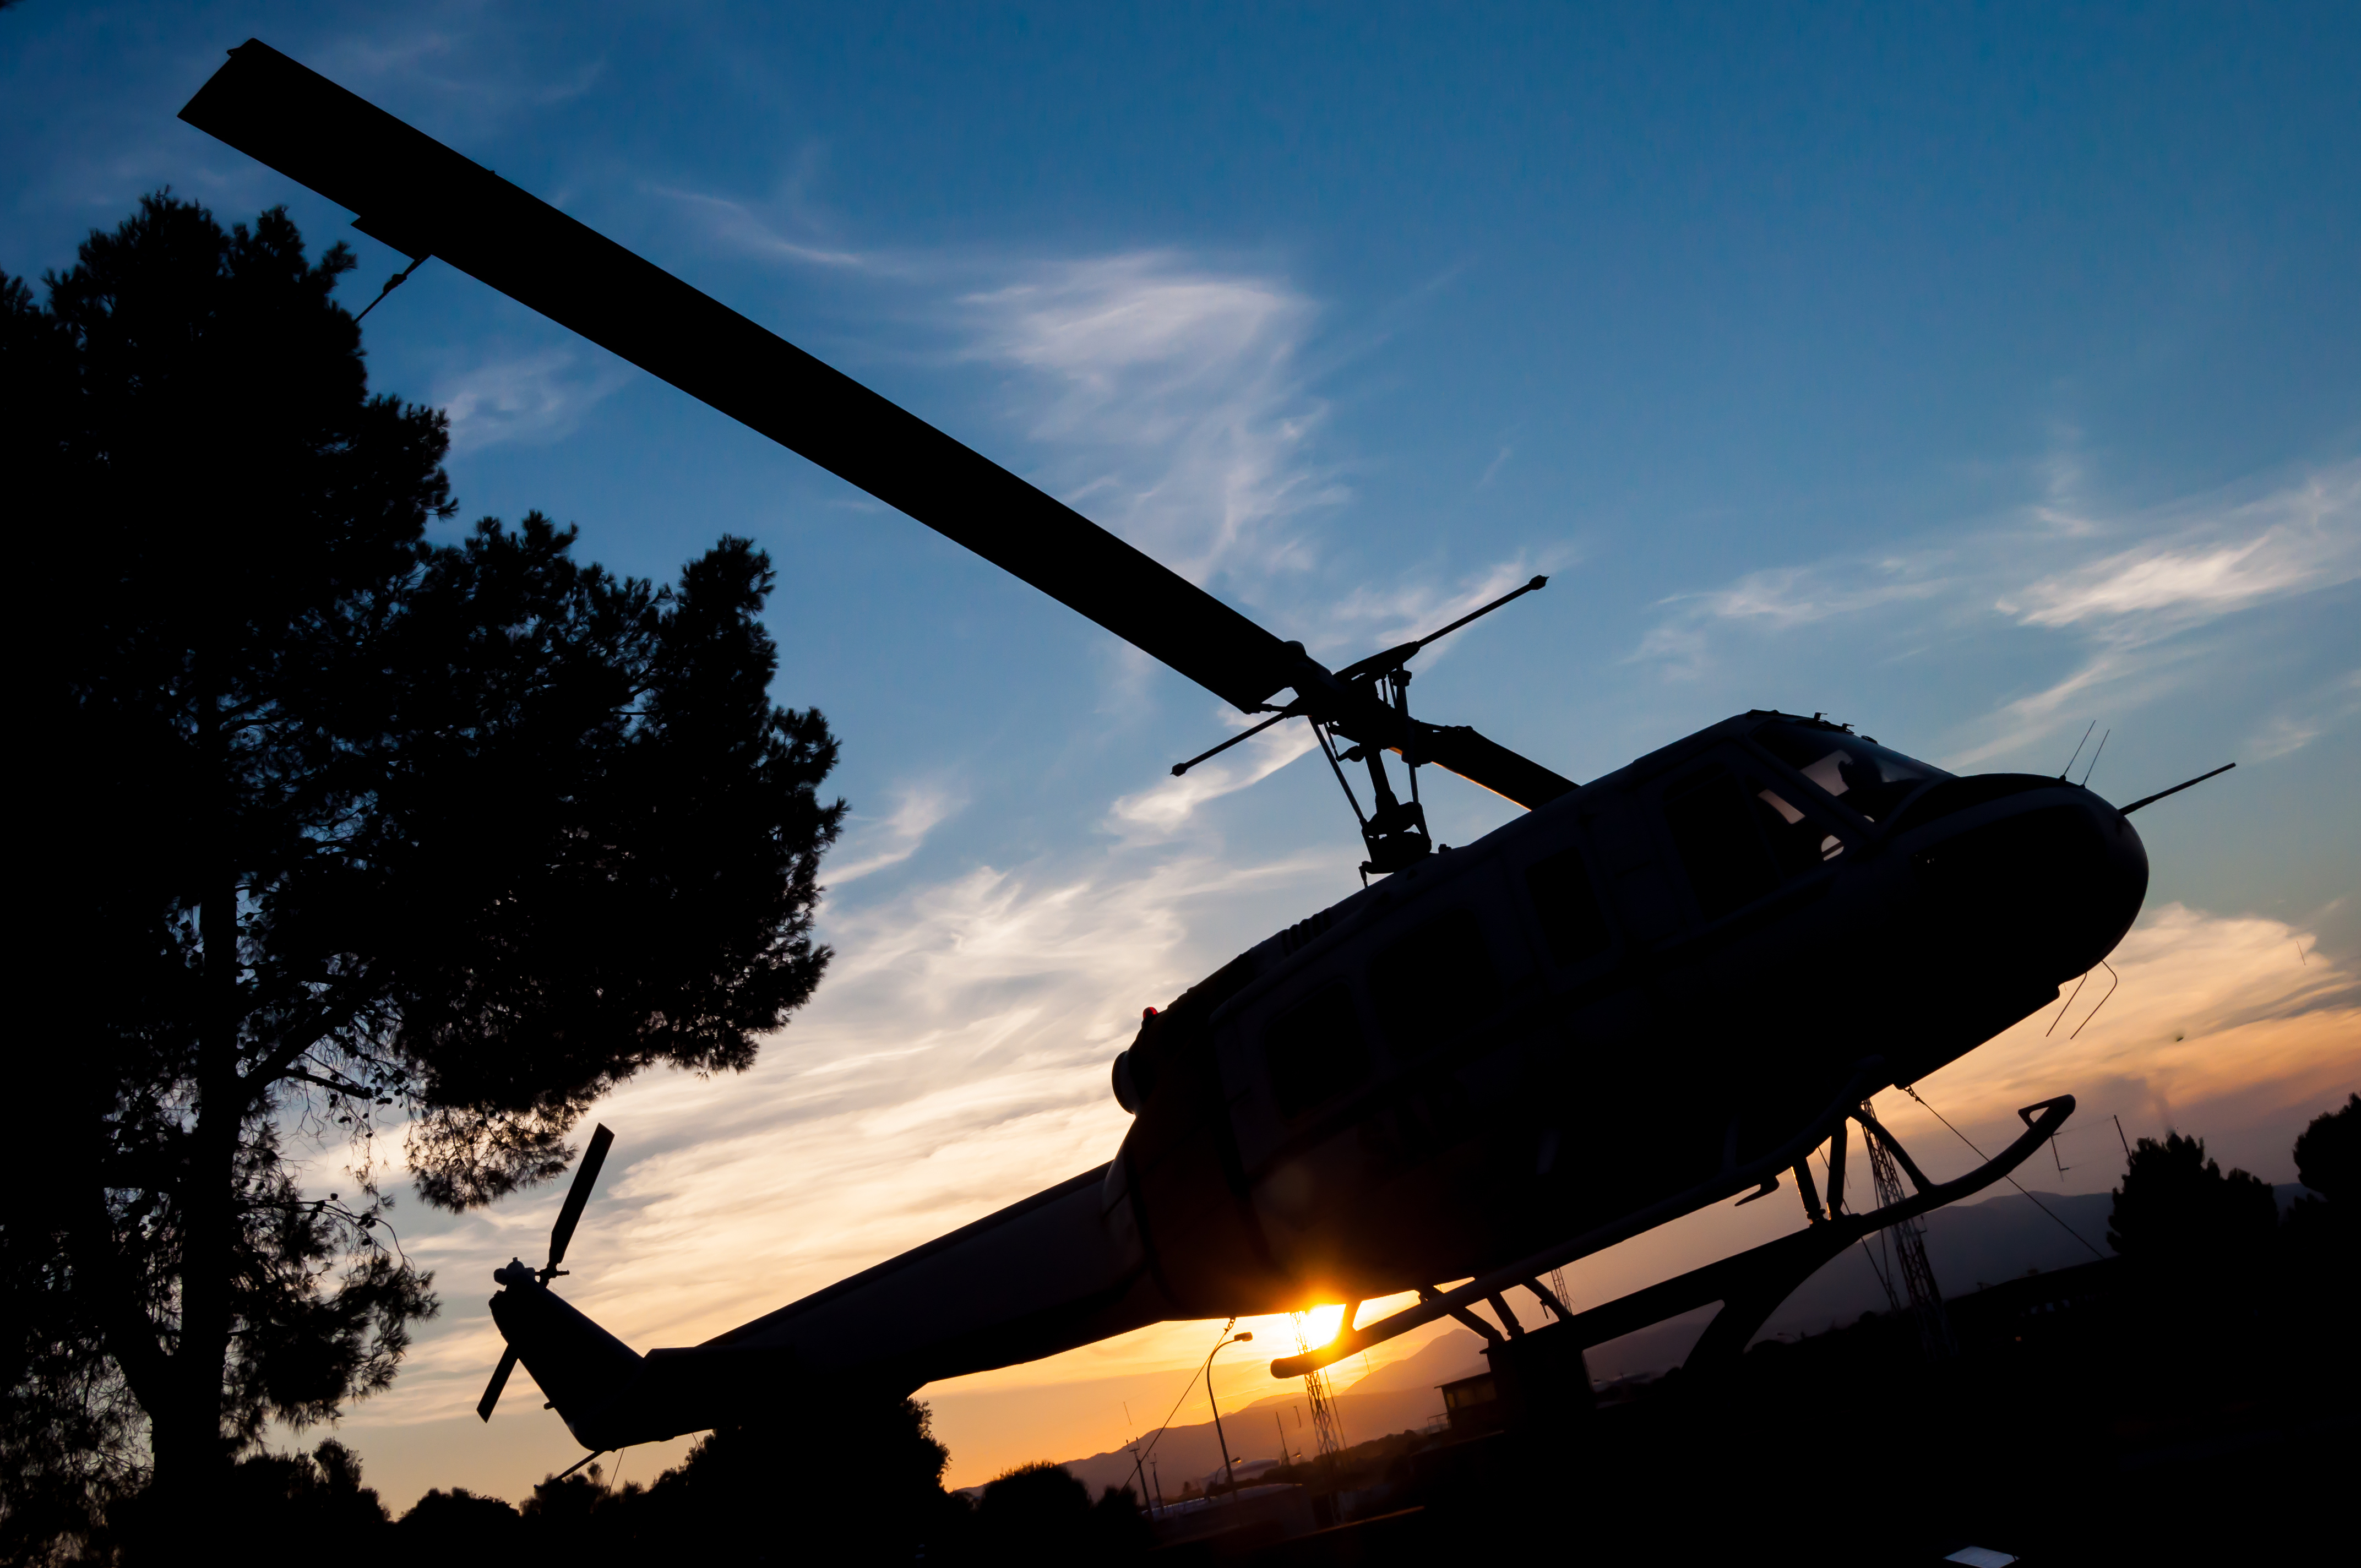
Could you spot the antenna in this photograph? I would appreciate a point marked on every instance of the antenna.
(2176, 789)
(2094, 759)
(2078, 750)
(2114, 980)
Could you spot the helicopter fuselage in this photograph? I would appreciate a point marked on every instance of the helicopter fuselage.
(1625, 995)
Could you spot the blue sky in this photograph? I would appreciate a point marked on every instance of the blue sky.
(1973, 374)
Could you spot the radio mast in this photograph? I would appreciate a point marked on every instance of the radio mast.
(1327, 1426)
(1909, 1240)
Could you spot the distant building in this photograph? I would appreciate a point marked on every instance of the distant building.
(1472, 1404)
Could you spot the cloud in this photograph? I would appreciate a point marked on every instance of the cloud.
(2306, 718)
(2136, 609)
(877, 843)
(737, 224)
(535, 398)
(1780, 598)
(2224, 1025)
(2052, 569)
(1165, 808)
(1171, 400)
(2299, 539)
(1796, 596)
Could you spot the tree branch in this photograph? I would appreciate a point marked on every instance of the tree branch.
(298, 1037)
(342, 1088)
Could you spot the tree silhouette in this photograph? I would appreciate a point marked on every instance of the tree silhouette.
(458, 1529)
(1041, 1513)
(2322, 1229)
(333, 832)
(2328, 1152)
(312, 1496)
(856, 1480)
(2176, 1205)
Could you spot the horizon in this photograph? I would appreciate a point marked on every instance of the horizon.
(1971, 377)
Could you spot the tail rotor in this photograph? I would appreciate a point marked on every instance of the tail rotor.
(585, 1176)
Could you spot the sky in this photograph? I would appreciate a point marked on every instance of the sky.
(1975, 374)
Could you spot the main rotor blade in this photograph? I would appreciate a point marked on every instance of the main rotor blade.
(422, 198)
(500, 1381)
(585, 1176)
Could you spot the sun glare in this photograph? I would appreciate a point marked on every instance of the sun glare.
(1320, 1323)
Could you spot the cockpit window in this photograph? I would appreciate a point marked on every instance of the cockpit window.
(1862, 773)
(1798, 842)
(1740, 838)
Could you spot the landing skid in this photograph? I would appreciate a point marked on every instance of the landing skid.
(1750, 1284)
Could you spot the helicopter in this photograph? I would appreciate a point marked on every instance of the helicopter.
(1651, 993)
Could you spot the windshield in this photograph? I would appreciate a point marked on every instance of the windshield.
(1861, 772)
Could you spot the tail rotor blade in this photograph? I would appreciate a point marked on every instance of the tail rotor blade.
(500, 1381)
(585, 1176)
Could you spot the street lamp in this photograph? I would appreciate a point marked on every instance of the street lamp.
(1229, 1472)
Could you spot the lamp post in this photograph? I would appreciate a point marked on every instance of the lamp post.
(1228, 1471)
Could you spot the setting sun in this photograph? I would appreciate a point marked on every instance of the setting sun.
(1320, 1324)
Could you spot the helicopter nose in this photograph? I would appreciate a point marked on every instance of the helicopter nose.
(2045, 881)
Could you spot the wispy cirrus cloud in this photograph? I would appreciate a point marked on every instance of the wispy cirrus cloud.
(740, 226)
(2296, 722)
(2135, 608)
(1171, 400)
(2305, 537)
(534, 397)
(2232, 1027)
(1779, 598)
(1166, 807)
(2129, 590)
(1166, 397)
(874, 844)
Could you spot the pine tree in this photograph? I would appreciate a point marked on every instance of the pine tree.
(331, 833)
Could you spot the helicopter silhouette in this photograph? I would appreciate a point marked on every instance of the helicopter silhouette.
(1651, 993)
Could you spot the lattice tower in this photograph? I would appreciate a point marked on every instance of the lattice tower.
(1909, 1243)
(1327, 1425)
